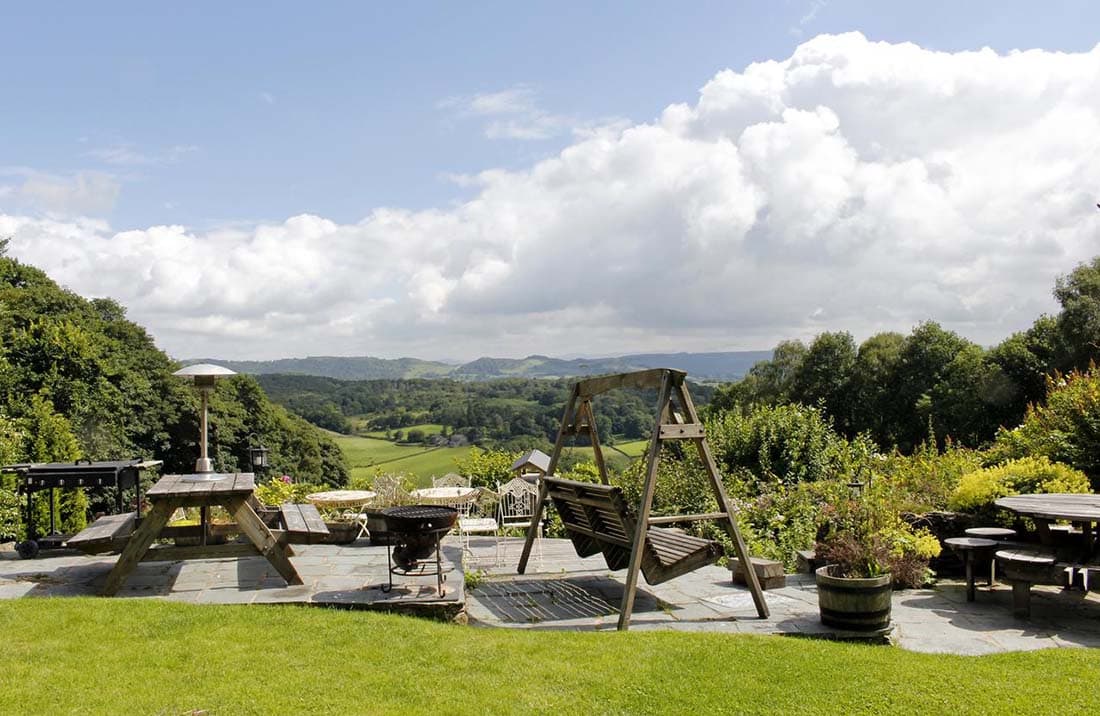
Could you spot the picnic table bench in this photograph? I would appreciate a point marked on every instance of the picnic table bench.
(302, 523)
(107, 534)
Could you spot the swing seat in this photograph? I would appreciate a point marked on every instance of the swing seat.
(597, 519)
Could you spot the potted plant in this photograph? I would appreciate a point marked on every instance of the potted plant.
(867, 549)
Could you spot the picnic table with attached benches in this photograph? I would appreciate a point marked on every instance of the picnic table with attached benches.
(1048, 563)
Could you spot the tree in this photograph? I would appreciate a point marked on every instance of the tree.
(1079, 321)
(825, 376)
(873, 406)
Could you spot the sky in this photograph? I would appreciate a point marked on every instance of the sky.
(453, 180)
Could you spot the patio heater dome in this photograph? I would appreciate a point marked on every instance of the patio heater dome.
(204, 376)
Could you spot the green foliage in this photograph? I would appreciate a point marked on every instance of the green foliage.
(278, 491)
(788, 444)
(486, 468)
(1065, 429)
(682, 485)
(11, 519)
(979, 489)
(925, 480)
(1079, 321)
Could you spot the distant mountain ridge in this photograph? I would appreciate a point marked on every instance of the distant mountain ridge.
(721, 366)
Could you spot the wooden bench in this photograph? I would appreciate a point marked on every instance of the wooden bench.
(302, 524)
(1025, 567)
(109, 533)
(597, 519)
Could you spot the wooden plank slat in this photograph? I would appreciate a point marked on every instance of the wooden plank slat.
(686, 431)
(292, 518)
(105, 529)
(669, 519)
(167, 553)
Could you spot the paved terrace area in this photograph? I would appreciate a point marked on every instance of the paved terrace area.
(562, 591)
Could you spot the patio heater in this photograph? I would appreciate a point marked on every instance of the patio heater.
(204, 375)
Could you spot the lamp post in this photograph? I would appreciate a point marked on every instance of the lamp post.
(204, 375)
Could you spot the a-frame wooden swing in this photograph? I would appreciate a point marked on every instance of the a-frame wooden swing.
(597, 518)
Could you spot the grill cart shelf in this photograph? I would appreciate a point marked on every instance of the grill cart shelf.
(37, 476)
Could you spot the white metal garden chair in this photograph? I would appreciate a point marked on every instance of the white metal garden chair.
(478, 522)
(516, 503)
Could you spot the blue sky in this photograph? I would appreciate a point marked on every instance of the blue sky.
(214, 112)
(223, 118)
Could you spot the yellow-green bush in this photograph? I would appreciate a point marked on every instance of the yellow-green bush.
(979, 489)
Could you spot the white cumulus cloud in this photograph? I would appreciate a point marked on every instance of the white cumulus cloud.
(855, 185)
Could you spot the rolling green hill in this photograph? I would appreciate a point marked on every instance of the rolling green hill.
(724, 366)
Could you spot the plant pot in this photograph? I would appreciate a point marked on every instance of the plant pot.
(853, 603)
(341, 532)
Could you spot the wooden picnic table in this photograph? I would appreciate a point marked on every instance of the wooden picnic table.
(175, 491)
(1081, 509)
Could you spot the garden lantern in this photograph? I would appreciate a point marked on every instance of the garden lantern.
(257, 454)
(204, 375)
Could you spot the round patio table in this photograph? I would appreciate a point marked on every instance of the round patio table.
(449, 496)
(342, 499)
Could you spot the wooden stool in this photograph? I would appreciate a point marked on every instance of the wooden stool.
(997, 533)
(970, 547)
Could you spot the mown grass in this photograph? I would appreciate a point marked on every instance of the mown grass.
(138, 656)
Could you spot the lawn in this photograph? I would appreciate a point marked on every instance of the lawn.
(141, 656)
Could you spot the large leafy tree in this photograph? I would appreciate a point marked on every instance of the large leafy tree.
(1079, 321)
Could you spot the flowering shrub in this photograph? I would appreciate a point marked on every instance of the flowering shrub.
(978, 490)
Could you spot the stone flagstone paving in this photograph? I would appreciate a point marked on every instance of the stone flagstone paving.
(562, 591)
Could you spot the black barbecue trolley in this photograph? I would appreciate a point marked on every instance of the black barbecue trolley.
(34, 477)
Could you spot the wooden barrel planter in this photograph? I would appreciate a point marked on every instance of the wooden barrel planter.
(854, 604)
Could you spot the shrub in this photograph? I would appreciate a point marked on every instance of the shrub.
(786, 443)
(926, 480)
(11, 519)
(281, 490)
(979, 489)
(486, 468)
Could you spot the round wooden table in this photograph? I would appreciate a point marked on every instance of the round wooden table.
(1080, 508)
(972, 548)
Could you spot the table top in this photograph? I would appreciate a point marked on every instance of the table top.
(341, 498)
(971, 543)
(234, 484)
(1055, 506)
(445, 495)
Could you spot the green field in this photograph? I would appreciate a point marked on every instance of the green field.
(368, 456)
